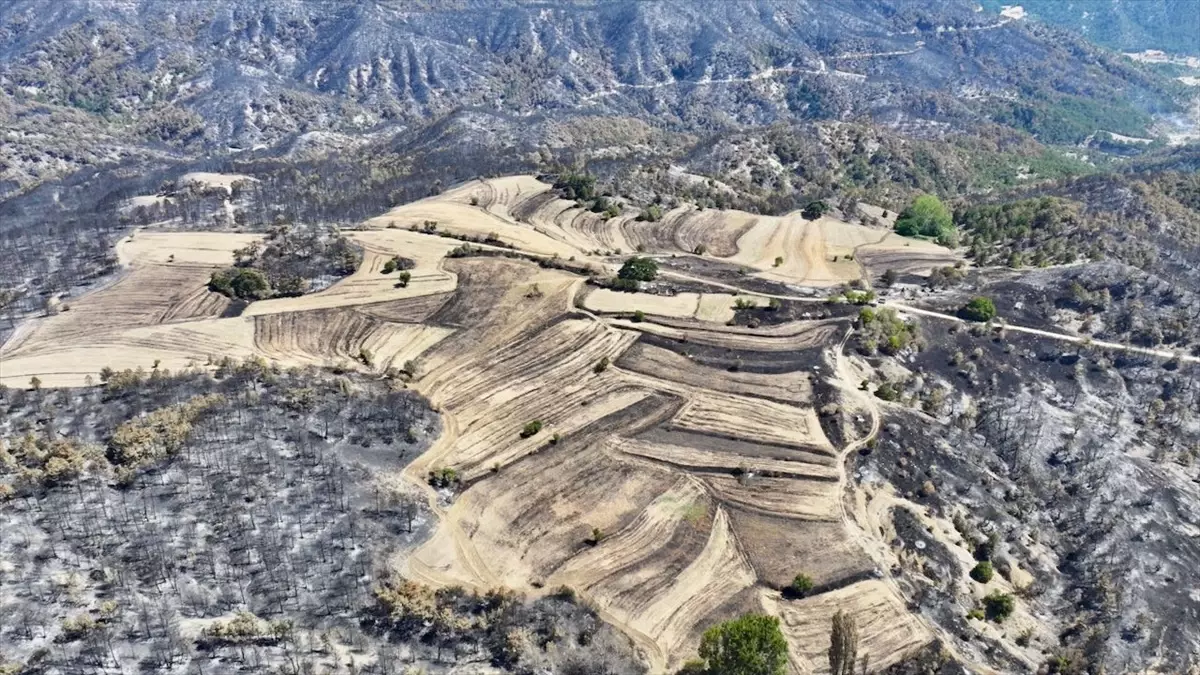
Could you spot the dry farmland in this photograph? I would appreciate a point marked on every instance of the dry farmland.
(679, 473)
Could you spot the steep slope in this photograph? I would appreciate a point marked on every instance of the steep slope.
(156, 75)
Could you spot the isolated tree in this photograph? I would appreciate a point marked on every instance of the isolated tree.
(843, 644)
(638, 268)
(814, 209)
(750, 645)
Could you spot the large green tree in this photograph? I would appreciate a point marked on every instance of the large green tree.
(929, 217)
(638, 268)
(750, 645)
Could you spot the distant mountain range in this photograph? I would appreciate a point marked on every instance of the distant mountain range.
(84, 82)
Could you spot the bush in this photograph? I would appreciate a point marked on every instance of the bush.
(888, 392)
(651, 214)
(801, 586)
(978, 309)
(444, 477)
(531, 429)
(982, 572)
(639, 268)
(624, 285)
(638, 316)
(814, 210)
(601, 365)
(998, 606)
(403, 279)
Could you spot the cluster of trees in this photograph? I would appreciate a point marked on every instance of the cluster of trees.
(927, 216)
(1037, 232)
(287, 263)
(754, 644)
(1063, 119)
(882, 330)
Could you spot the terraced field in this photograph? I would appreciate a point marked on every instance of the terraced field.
(525, 213)
(679, 475)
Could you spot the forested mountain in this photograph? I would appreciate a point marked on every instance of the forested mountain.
(1172, 26)
(93, 81)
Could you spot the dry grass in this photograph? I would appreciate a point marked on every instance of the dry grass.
(709, 484)
(710, 307)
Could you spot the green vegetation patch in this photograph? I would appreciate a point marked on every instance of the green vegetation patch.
(979, 309)
(927, 217)
(638, 268)
(1068, 120)
(749, 645)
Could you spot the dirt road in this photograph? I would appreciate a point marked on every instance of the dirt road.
(906, 309)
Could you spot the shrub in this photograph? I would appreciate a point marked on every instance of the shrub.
(978, 309)
(638, 268)
(801, 586)
(638, 316)
(814, 209)
(778, 260)
(982, 572)
(531, 429)
(624, 285)
(744, 303)
(888, 392)
(998, 606)
(403, 279)
(601, 365)
(444, 477)
(651, 214)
